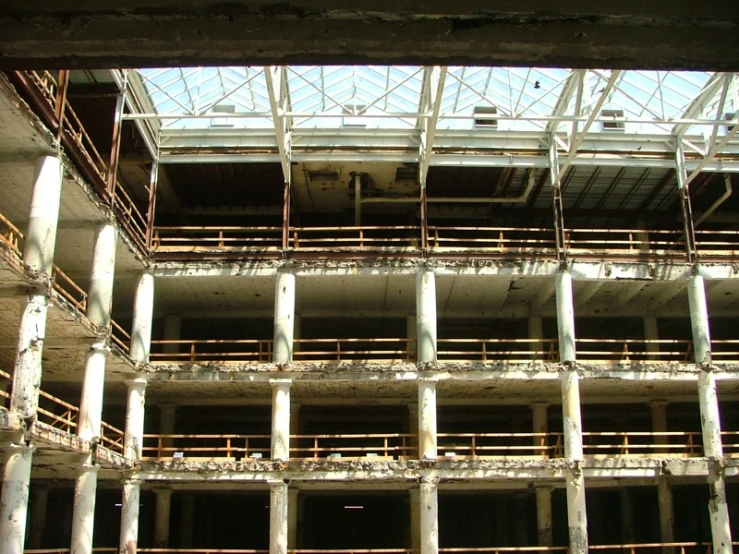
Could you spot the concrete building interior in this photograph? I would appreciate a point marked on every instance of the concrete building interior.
(348, 308)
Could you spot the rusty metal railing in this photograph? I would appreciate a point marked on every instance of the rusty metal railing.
(497, 350)
(376, 446)
(507, 241)
(625, 244)
(211, 350)
(387, 350)
(203, 446)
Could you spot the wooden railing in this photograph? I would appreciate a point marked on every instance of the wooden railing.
(6, 382)
(211, 350)
(634, 350)
(356, 350)
(627, 244)
(68, 289)
(608, 444)
(337, 446)
(10, 234)
(157, 447)
(221, 239)
(120, 336)
(492, 350)
(502, 240)
(390, 238)
(111, 438)
(57, 413)
(543, 445)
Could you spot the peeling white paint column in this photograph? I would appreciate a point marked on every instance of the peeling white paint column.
(713, 450)
(100, 296)
(162, 506)
(571, 418)
(280, 419)
(130, 516)
(284, 317)
(14, 497)
(426, 316)
(38, 254)
(429, 520)
(143, 312)
(278, 511)
(699, 319)
(427, 419)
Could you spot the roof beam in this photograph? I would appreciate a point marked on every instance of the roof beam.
(576, 77)
(698, 104)
(435, 84)
(275, 80)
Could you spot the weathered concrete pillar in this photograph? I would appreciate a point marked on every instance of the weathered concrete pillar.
(651, 335)
(294, 418)
(93, 385)
(415, 520)
(37, 526)
(426, 315)
(129, 537)
(38, 254)
(167, 416)
(544, 515)
(565, 316)
(699, 320)
(162, 506)
(83, 518)
(627, 516)
(292, 518)
(172, 331)
(713, 450)
(187, 521)
(427, 419)
(143, 311)
(14, 498)
(540, 428)
(413, 429)
(574, 479)
(102, 275)
(278, 512)
(429, 520)
(536, 335)
(280, 419)
(659, 423)
(44, 215)
(134, 434)
(666, 512)
(284, 317)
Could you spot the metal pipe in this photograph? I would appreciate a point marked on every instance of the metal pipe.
(717, 203)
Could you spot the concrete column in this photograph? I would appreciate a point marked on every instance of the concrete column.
(666, 511)
(413, 428)
(519, 524)
(14, 498)
(659, 422)
(292, 518)
(143, 312)
(429, 520)
(574, 479)
(44, 215)
(536, 334)
(167, 415)
(651, 334)
(39, 503)
(280, 419)
(565, 316)
(133, 439)
(544, 515)
(284, 318)
(294, 418)
(411, 333)
(163, 503)
(27, 374)
(713, 450)
(102, 275)
(541, 428)
(130, 517)
(427, 420)
(187, 521)
(172, 331)
(278, 512)
(297, 332)
(627, 516)
(93, 385)
(426, 315)
(699, 320)
(83, 518)
(415, 520)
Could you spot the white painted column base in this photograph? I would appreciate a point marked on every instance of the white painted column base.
(429, 504)
(278, 512)
(83, 520)
(14, 498)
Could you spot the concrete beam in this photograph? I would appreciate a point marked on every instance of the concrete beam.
(627, 34)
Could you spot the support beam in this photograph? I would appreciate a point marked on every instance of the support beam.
(172, 331)
(651, 336)
(39, 505)
(278, 515)
(699, 320)
(162, 506)
(187, 521)
(540, 427)
(83, 519)
(284, 317)
(544, 516)
(426, 315)
(280, 419)
(14, 497)
(44, 215)
(293, 503)
(415, 520)
(574, 478)
(134, 432)
(143, 311)
(666, 512)
(427, 440)
(429, 504)
(565, 317)
(433, 93)
(131, 500)
(536, 336)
